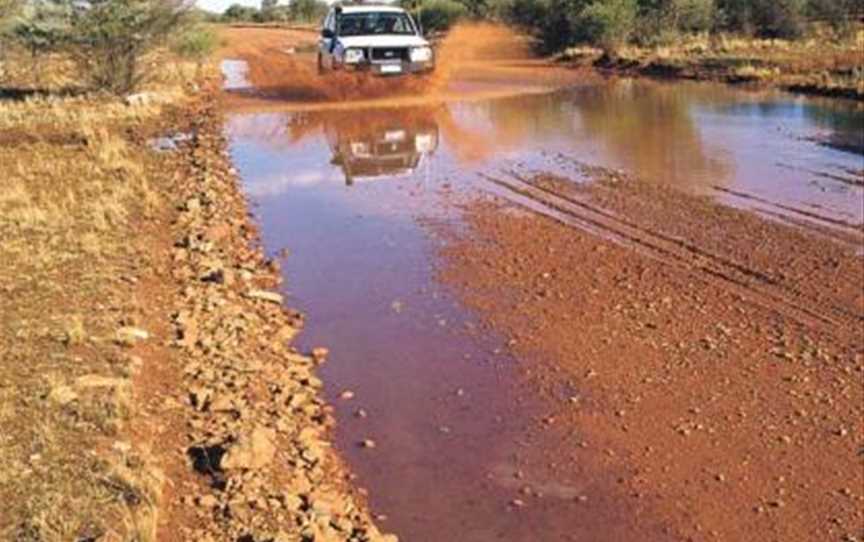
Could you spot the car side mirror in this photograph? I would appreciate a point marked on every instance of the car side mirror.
(327, 33)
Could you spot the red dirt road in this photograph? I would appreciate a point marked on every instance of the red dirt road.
(707, 359)
(709, 363)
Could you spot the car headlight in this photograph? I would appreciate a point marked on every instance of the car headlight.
(421, 54)
(360, 149)
(353, 56)
(424, 143)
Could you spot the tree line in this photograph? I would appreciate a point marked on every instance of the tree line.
(299, 11)
(559, 24)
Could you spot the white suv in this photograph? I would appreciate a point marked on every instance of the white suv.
(382, 39)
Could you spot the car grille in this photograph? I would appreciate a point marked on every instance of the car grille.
(389, 53)
(384, 149)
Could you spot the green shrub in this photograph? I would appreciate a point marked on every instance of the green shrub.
(8, 9)
(110, 38)
(439, 15)
(42, 29)
(663, 21)
(195, 43)
(779, 18)
(692, 15)
(609, 23)
(479, 9)
(764, 18)
(307, 11)
(839, 14)
(239, 13)
(526, 13)
(555, 23)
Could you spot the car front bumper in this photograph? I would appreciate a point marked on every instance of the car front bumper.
(392, 68)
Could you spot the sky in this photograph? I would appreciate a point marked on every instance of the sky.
(221, 5)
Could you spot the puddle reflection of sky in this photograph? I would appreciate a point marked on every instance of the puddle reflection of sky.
(692, 137)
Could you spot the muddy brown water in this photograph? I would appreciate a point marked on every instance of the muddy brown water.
(357, 197)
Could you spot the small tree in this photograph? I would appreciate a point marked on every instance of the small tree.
(779, 18)
(41, 31)
(479, 8)
(765, 18)
(239, 13)
(8, 9)
(111, 37)
(196, 43)
(435, 15)
(307, 10)
(839, 14)
(557, 23)
(610, 23)
(268, 11)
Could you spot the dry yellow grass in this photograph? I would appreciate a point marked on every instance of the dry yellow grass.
(75, 190)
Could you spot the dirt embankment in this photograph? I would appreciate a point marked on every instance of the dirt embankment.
(257, 428)
(822, 65)
(709, 360)
(148, 387)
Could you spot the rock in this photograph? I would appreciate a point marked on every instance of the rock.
(265, 295)
(62, 395)
(192, 204)
(253, 450)
(346, 395)
(367, 443)
(130, 335)
(517, 503)
(97, 381)
(139, 99)
(208, 501)
(222, 403)
(293, 502)
(320, 353)
(285, 334)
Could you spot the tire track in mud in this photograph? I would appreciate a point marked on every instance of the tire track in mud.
(788, 208)
(759, 287)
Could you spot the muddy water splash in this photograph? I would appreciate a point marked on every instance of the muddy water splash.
(285, 68)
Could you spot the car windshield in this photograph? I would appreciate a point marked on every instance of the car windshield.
(364, 24)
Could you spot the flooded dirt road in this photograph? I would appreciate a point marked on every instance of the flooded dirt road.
(555, 307)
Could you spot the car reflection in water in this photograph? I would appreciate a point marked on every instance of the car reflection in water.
(381, 144)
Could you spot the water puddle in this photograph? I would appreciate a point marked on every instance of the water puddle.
(235, 75)
(356, 198)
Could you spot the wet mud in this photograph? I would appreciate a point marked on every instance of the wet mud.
(523, 275)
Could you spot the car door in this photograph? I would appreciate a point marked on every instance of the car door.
(325, 42)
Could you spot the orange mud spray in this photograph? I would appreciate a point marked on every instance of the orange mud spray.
(276, 74)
